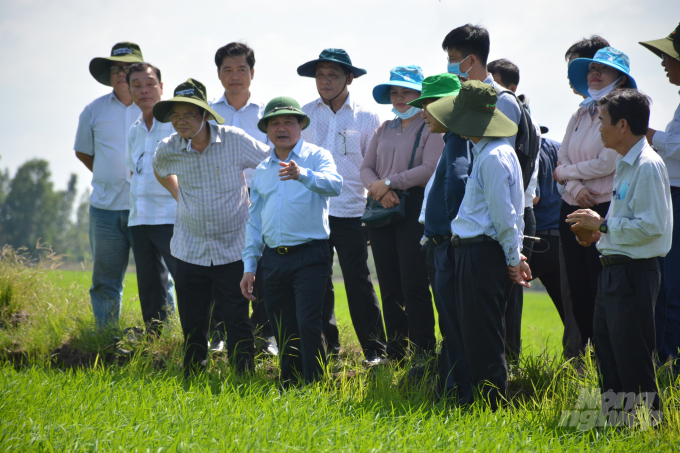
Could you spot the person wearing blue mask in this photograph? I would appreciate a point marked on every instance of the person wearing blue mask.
(586, 169)
(400, 159)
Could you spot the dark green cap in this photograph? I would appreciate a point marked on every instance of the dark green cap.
(126, 52)
(669, 45)
(338, 56)
(282, 106)
(192, 92)
(473, 112)
(437, 86)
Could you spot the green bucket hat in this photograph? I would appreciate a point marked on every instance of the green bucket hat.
(282, 106)
(338, 56)
(437, 86)
(473, 112)
(126, 52)
(669, 45)
(192, 92)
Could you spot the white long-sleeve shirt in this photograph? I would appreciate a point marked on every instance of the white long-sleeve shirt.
(668, 144)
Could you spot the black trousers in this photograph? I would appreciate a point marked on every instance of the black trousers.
(513, 312)
(295, 287)
(259, 318)
(348, 238)
(583, 270)
(202, 290)
(151, 246)
(482, 291)
(624, 336)
(402, 275)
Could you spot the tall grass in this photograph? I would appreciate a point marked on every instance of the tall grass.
(103, 401)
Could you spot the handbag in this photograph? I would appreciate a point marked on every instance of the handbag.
(376, 215)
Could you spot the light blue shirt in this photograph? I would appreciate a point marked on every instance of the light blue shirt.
(493, 204)
(668, 144)
(286, 213)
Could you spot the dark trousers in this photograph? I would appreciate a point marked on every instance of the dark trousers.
(456, 373)
(482, 291)
(513, 312)
(571, 339)
(402, 275)
(294, 287)
(151, 246)
(583, 269)
(667, 312)
(348, 238)
(624, 325)
(203, 290)
(547, 267)
(259, 318)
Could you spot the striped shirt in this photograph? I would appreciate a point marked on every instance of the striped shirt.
(150, 203)
(213, 201)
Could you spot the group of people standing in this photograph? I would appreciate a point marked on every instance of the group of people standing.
(240, 202)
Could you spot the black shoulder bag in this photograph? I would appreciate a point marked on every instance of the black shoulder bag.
(375, 215)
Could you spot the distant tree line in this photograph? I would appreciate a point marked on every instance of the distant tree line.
(31, 211)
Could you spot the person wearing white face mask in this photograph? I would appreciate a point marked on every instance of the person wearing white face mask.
(401, 158)
(586, 168)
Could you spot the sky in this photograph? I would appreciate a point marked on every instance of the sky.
(46, 47)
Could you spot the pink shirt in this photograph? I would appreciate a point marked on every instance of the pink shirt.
(389, 154)
(585, 162)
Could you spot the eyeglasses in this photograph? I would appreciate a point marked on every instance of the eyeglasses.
(140, 163)
(116, 69)
(344, 143)
(174, 117)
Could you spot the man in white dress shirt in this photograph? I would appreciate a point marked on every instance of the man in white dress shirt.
(152, 208)
(343, 127)
(100, 146)
(236, 69)
(635, 233)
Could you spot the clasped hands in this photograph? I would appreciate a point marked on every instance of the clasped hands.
(585, 225)
(520, 273)
(381, 192)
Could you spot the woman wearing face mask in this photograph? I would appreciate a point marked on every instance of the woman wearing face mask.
(586, 168)
(391, 165)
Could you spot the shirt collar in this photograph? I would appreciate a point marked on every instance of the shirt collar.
(480, 146)
(142, 123)
(634, 152)
(348, 102)
(251, 101)
(299, 150)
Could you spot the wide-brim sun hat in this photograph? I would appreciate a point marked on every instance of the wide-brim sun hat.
(669, 45)
(124, 52)
(579, 68)
(338, 56)
(473, 112)
(279, 106)
(437, 86)
(191, 92)
(410, 76)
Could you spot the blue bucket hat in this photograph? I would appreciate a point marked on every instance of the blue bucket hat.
(338, 56)
(578, 69)
(410, 76)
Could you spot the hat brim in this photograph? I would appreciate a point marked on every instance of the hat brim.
(99, 67)
(468, 123)
(661, 47)
(578, 74)
(418, 103)
(162, 109)
(309, 69)
(262, 124)
(381, 93)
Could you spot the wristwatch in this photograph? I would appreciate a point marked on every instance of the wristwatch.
(388, 183)
(603, 227)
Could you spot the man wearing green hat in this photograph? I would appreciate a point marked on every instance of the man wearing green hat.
(100, 145)
(288, 224)
(486, 234)
(440, 208)
(202, 167)
(345, 128)
(667, 144)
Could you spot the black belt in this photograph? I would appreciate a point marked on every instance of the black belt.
(613, 260)
(550, 232)
(439, 239)
(288, 249)
(457, 242)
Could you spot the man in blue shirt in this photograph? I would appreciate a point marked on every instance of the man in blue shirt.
(487, 238)
(288, 223)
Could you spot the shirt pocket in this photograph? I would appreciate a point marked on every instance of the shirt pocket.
(470, 197)
(227, 178)
(353, 142)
